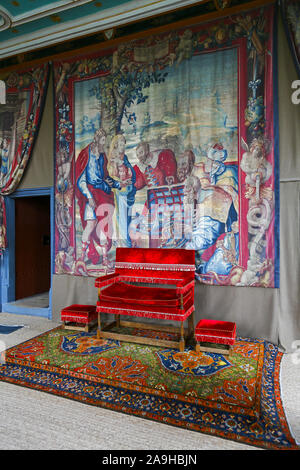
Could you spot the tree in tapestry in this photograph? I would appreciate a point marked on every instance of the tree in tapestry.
(168, 142)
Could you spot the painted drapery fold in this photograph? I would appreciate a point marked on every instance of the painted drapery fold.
(290, 10)
(19, 123)
(168, 141)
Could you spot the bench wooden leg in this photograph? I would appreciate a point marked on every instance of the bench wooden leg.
(103, 332)
(182, 340)
(99, 326)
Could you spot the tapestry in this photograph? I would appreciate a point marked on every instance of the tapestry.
(290, 10)
(234, 397)
(168, 142)
(20, 117)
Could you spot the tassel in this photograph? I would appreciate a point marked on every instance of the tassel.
(154, 267)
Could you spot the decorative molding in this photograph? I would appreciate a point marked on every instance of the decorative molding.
(109, 34)
(42, 12)
(5, 20)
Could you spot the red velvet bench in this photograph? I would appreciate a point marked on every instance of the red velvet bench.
(84, 315)
(209, 334)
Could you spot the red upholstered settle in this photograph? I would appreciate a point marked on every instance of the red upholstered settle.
(79, 313)
(156, 264)
(156, 256)
(215, 331)
(168, 267)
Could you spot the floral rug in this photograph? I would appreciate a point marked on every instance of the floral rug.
(235, 397)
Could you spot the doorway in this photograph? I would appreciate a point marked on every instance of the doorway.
(32, 248)
(27, 264)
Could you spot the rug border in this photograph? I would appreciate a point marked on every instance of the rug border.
(252, 442)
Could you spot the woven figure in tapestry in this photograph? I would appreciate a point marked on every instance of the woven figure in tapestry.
(173, 203)
(123, 188)
(185, 165)
(154, 169)
(3, 159)
(166, 205)
(94, 194)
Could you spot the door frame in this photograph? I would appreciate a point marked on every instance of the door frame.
(7, 266)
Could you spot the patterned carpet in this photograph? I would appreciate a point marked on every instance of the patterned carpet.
(236, 397)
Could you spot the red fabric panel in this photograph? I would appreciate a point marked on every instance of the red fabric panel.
(77, 308)
(79, 313)
(186, 287)
(178, 278)
(165, 313)
(167, 161)
(121, 292)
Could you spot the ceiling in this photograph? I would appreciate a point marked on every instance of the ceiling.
(32, 29)
(29, 24)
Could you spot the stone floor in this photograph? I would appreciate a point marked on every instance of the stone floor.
(38, 300)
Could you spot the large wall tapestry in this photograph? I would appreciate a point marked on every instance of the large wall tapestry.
(168, 141)
(20, 117)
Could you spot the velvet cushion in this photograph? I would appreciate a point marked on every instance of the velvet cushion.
(215, 331)
(155, 266)
(79, 313)
(106, 280)
(181, 281)
(146, 275)
(159, 296)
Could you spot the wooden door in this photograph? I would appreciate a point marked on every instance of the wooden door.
(32, 246)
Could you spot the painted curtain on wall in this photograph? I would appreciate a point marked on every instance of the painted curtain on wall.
(20, 117)
(168, 141)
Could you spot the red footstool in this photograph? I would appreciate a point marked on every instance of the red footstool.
(209, 334)
(84, 315)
